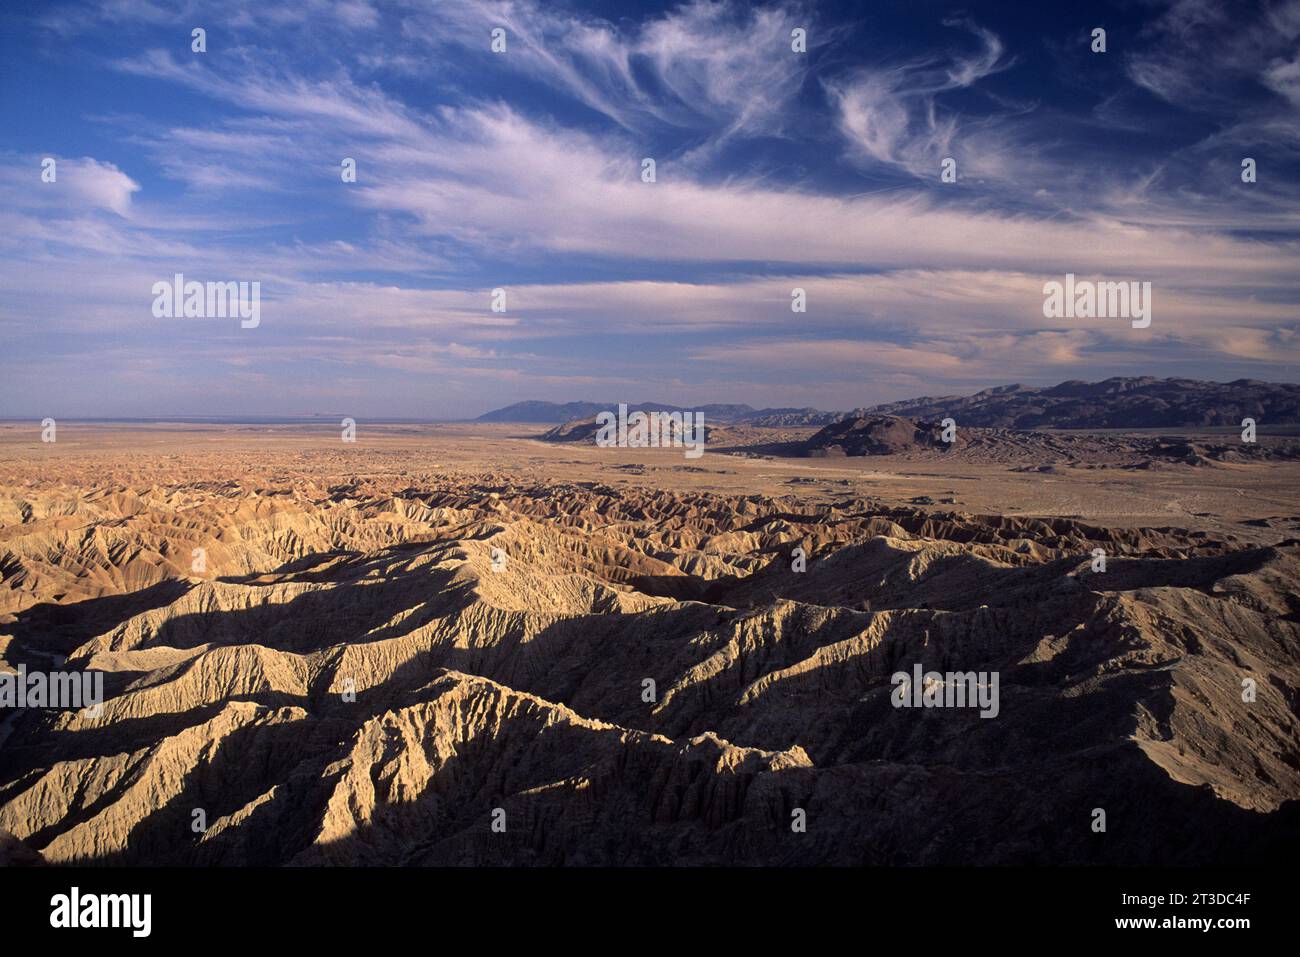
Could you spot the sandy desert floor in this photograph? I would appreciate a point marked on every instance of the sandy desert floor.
(433, 646)
(1221, 497)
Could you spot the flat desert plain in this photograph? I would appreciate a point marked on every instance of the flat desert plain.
(459, 644)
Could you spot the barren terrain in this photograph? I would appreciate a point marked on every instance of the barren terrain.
(393, 645)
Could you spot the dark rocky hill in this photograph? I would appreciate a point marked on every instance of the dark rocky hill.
(1119, 403)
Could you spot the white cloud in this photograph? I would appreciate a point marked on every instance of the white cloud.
(80, 185)
(892, 114)
(911, 288)
(722, 66)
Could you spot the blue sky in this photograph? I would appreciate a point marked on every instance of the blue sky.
(521, 170)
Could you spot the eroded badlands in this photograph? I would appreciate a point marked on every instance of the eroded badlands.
(387, 643)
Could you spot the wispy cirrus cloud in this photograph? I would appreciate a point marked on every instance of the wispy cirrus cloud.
(522, 171)
(893, 115)
(721, 67)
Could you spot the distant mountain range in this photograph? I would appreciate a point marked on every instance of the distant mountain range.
(1119, 403)
(552, 413)
(1116, 403)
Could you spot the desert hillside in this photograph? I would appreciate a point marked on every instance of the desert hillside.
(393, 647)
(895, 435)
(1135, 402)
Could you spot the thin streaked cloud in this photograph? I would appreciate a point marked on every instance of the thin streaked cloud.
(521, 171)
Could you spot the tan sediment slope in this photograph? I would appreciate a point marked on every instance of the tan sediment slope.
(382, 650)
